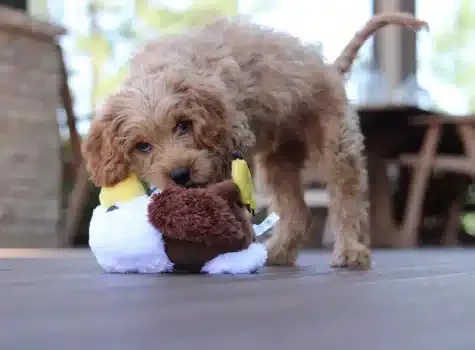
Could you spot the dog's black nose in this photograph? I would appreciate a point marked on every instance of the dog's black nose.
(180, 176)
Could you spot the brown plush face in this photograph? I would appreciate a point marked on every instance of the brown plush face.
(167, 130)
(198, 224)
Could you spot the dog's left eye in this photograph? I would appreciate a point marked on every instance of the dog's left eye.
(183, 127)
(143, 147)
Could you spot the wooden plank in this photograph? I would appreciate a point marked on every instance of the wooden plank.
(315, 198)
(76, 202)
(67, 100)
(383, 230)
(390, 107)
(14, 21)
(22, 237)
(418, 186)
(21, 210)
(443, 118)
(456, 164)
(30, 180)
(467, 135)
(451, 230)
(67, 302)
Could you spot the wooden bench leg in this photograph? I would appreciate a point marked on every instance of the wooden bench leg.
(417, 188)
(450, 238)
(328, 238)
(76, 202)
(467, 135)
(382, 226)
(450, 235)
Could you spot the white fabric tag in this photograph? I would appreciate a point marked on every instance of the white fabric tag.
(154, 189)
(266, 225)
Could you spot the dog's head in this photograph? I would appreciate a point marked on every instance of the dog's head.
(168, 129)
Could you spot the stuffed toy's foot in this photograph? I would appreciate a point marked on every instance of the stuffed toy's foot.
(123, 241)
(242, 262)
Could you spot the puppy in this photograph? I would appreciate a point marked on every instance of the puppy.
(192, 99)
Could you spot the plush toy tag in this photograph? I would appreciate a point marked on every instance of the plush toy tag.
(153, 189)
(266, 225)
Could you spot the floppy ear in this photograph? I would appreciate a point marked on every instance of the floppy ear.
(104, 150)
(212, 115)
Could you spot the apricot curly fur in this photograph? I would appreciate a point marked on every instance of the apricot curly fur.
(245, 88)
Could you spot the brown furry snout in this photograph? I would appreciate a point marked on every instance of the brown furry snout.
(200, 164)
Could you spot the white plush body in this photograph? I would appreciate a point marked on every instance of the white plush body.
(123, 241)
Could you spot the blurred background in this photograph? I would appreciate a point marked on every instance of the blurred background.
(49, 93)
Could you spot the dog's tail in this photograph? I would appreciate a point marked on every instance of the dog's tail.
(345, 60)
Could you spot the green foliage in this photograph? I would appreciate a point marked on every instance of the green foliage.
(454, 51)
(468, 223)
(106, 86)
(97, 46)
(167, 20)
(149, 17)
(41, 4)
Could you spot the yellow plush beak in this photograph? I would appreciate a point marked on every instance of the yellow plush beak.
(124, 191)
(242, 177)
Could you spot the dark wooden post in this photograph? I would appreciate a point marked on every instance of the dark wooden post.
(16, 4)
(395, 48)
(408, 43)
(394, 54)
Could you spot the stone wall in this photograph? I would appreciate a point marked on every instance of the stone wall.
(30, 161)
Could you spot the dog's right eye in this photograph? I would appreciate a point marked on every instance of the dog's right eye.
(143, 147)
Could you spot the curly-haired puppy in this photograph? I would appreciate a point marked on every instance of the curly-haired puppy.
(192, 99)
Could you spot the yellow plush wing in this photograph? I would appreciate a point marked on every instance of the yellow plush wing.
(124, 191)
(242, 177)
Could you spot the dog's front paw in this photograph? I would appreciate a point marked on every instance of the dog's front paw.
(354, 256)
(279, 254)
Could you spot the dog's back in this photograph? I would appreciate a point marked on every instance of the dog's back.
(267, 74)
(246, 43)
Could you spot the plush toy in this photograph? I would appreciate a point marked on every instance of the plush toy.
(200, 224)
(204, 230)
(120, 234)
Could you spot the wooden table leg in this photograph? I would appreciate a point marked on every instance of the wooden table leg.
(467, 136)
(418, 186)
(328, 238)
(76, 202)
(382, 228)
(450, 237)
(67, 100)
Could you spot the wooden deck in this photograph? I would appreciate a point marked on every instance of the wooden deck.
(410, 300)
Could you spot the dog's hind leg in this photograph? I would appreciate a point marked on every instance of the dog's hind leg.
(347, 184)
(281, 170)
